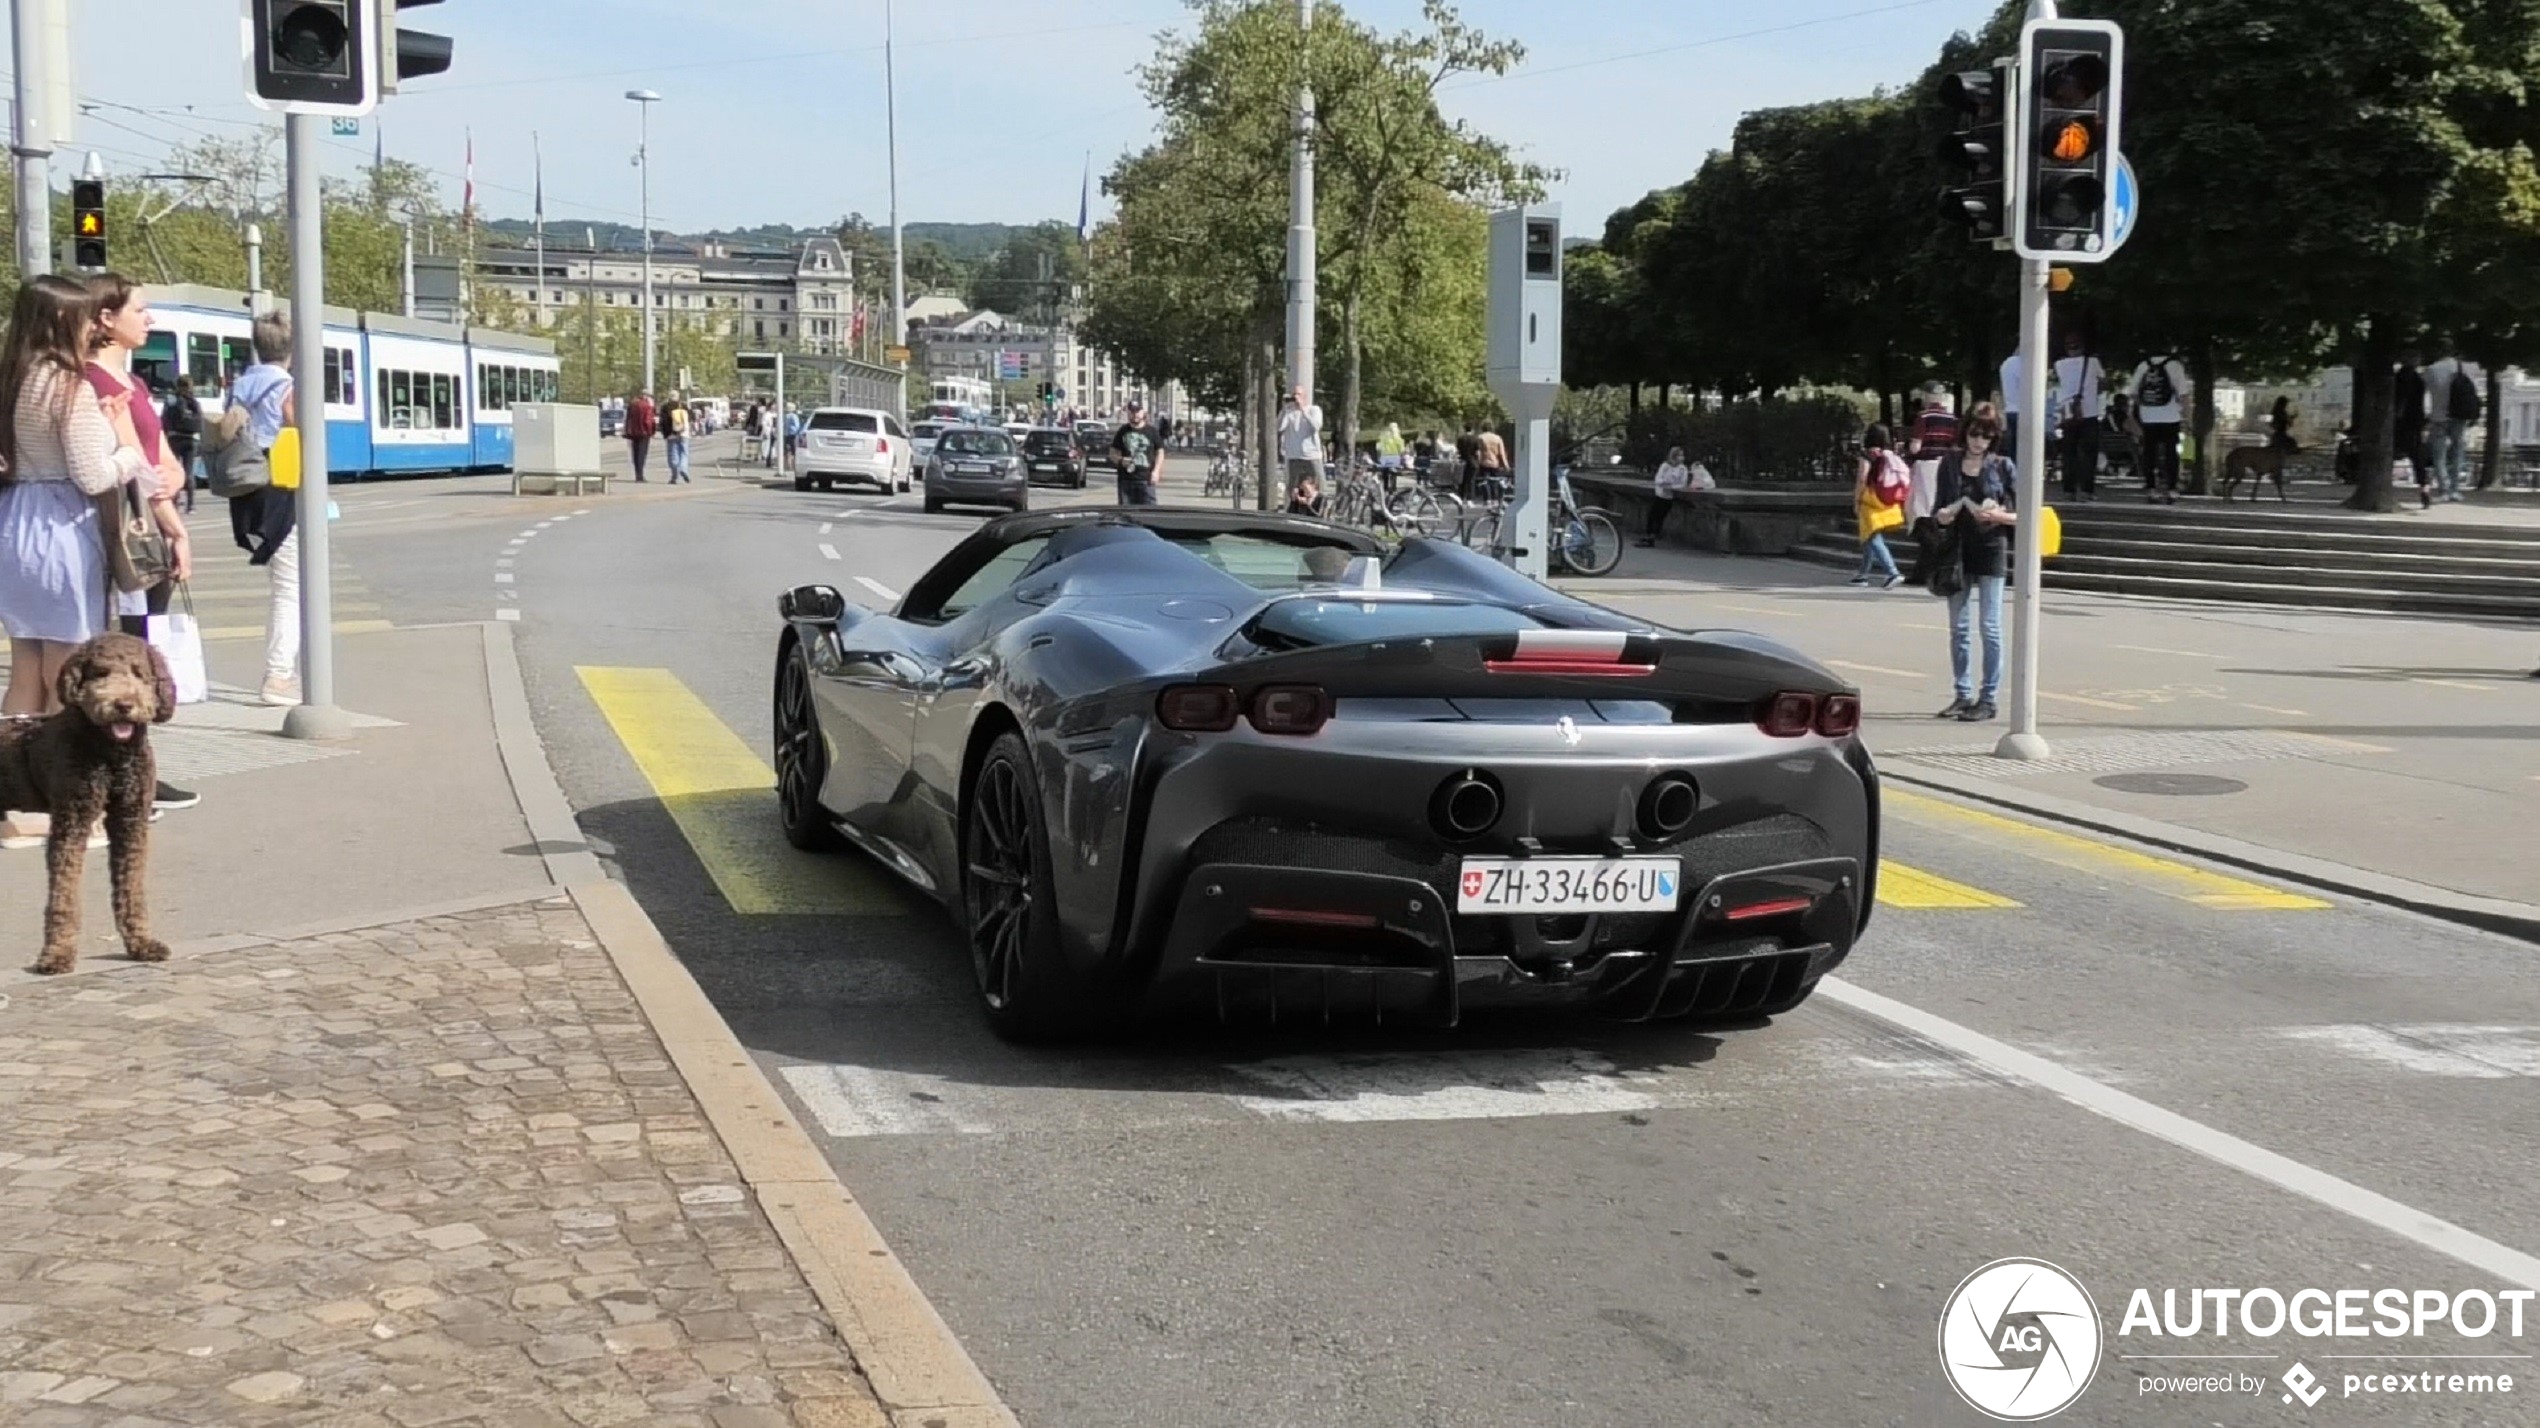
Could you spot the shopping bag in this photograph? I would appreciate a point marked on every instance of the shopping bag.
(284, 458)
(2050, 533)
(178, 637)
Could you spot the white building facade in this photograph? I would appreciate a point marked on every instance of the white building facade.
(802, 300)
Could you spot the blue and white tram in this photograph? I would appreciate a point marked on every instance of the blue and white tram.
(403, 396)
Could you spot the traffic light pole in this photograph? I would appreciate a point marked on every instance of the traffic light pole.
(316, 716)
(2027, 605)
(32, 144)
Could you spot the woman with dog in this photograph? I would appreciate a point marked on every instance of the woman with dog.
(123, 324)
(63, 446)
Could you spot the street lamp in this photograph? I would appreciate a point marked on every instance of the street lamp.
(645, 99)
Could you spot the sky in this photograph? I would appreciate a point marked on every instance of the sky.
(773, 111)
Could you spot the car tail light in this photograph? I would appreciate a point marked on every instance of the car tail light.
(1199, 708)
(1309, 917)
(883, 447)
(1789, 715)
(1290, 708)
(1839, 716)
(1777, 907)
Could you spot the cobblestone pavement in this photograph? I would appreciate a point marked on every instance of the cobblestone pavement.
(436, 1174)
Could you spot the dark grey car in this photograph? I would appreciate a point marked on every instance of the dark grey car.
(976, 466)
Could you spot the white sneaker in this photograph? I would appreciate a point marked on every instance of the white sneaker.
(281, 693)
(24, 830)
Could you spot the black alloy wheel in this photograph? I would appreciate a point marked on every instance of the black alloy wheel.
(1009, 906)
(802, 758)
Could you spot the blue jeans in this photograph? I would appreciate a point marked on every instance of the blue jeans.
(2447, 452)
(678, 447)
(1985, 591)
(1875, 556)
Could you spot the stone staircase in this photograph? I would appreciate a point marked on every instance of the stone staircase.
(2308, 553)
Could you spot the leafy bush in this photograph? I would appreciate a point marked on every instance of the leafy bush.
(1775, 442)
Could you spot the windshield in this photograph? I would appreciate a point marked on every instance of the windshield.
(974, 443)
(1041, 441)
(1309, 621)
(927, 430)
(1265, 564)
(845, 421)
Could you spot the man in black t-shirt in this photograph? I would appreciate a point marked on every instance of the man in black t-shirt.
(1136, 452)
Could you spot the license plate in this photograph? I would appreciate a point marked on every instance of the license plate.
(1045, 466)
(1556, 885)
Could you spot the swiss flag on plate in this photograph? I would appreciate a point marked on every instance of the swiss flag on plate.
(1473, 884)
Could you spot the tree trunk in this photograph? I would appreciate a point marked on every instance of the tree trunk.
(2200, 371)
(2491, 461)
(1265, 389)
(1664, 400)
(1346, 452)
(1633, 397)
(2374, 388)
(1248, 410)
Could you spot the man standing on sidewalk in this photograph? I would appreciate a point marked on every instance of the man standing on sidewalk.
(2078, 379)
(1137, 454)
(2452, 403)
(639, 430)
(2160, 408)
(1300, 437)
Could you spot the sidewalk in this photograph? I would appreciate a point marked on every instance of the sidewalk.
(424, 1125)
(2407, 748)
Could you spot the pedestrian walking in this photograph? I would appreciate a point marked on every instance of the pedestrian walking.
(676, 422)
(641, 422)
(1392, 454)
(182, 419)
(1468, 456)
(1300, 437)
(2452, 402)
(1880, 485)
(1135, 454)
(62, 446)
(2407, 423)
(2078, 379)
(2160, 413)
(123, 323)
(1935, 428)
(1976, 506)
(264, 521)
(1491, 466)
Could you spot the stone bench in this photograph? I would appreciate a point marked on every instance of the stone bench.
(1748, 521)
(558, 483)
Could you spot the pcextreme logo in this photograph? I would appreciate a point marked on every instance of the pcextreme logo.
(2019, 1340)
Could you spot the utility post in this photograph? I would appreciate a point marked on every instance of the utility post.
(1524, 365)
(1301, 236)
(32, 143)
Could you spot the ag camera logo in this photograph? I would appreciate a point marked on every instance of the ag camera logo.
(2019, 1340)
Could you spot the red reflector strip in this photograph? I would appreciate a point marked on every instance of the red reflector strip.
(1300, 917)
(1606, 668)
(1776, 908)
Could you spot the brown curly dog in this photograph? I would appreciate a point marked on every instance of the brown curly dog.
(93, 758)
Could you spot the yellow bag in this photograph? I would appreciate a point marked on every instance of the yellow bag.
(1876, 515)
(284, 458)
(2050, 533)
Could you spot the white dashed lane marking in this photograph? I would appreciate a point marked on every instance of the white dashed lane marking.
(829, 552)
(508, 613)
(878, 588)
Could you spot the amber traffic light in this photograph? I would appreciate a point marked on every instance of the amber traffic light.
(2069, 69)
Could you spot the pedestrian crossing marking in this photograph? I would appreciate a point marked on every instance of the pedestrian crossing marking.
(2218, 891)
(721, 794)
(1904, 887)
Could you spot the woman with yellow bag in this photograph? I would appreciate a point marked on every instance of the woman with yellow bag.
(1879, 490)
(262, 519)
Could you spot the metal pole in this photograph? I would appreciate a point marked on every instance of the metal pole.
(257, 299)
(891, 119)
(316, 716)
(784, 448)
(644, 155)
(32, 143)
(2023, 741)
(406, 274)
(1301, 238)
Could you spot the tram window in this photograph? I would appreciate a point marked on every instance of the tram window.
(155, 362)
(202, 362)
(401, 401)
(343, 385)
(383, 410)
(443, 418)
(513, 395)
(334, 378)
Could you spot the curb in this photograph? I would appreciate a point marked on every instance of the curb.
(2517, 920)
(918, 1371)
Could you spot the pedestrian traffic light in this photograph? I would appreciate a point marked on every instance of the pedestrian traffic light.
(312, 56)
(88, 223)
(407, 54)
(2072, 74)
(1976, 156)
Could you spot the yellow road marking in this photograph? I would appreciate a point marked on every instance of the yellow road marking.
(722, 796)
(257, 632)
(2271, 709)
(2348, 745)
(1876, 669)
(1901, 886)
(2086, 700)
(2218, 891)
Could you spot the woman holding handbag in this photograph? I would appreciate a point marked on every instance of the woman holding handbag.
(62, 449)
(1879, 488)
(123, 324)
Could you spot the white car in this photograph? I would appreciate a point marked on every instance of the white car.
(922, 435)
(854, 444)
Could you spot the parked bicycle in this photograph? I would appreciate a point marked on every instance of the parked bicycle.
(1360, 499)
(1221, 474)
(1580, 540)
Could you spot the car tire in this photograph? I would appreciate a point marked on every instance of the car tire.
(802, 483)
(933, 506)
(1009, 904)
(901, 488)
(801, 758)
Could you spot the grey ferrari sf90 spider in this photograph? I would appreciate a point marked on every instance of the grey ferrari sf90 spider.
(1156, 758)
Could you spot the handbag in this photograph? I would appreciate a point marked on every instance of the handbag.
(178, 637)
(1948, 563)
(136, 549)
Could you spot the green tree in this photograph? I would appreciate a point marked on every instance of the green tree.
(1031, 276)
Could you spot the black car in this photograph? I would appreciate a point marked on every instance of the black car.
(1050, 457)
(1256, 764)
(1093, 441)
(976, 466)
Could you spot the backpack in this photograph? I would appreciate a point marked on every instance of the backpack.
(2156, 389)
(1891, 480)
(2465, 401)
(678, 421)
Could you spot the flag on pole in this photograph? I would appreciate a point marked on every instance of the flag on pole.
(538, 198)
(467, 197)
(1085, 203)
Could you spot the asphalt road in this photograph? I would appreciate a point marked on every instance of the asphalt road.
(1531, 1222)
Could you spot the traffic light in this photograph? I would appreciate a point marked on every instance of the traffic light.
(1976, 157)
(88, 223)
(312, 56)
(407, 54)
(2070, 70)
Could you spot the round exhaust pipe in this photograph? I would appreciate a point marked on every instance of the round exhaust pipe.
(1465, 806)
(1668, 807)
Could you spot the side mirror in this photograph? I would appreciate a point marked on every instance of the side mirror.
(818, 603)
